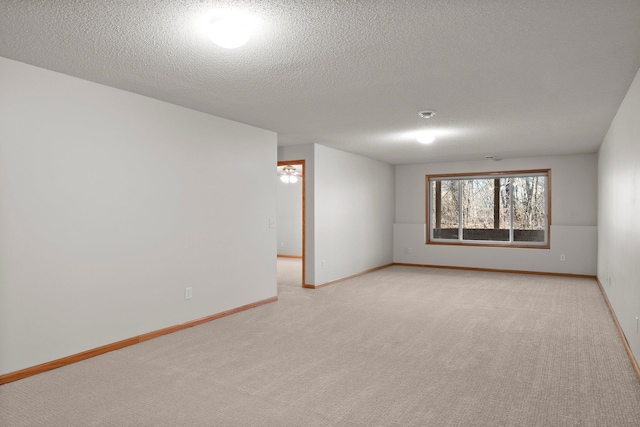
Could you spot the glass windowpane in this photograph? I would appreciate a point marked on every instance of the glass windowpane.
(445, 209)
(507, 207)
(479, 211)
(529, 211)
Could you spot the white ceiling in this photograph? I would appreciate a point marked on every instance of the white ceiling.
(509, 78)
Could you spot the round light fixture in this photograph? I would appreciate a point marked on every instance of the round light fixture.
(426, 137)
(427, 114)
(289, 179)
(231, 30)
(288, 174)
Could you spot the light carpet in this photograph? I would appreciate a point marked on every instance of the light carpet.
(402, 346)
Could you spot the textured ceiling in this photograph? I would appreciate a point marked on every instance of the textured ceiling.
(509, 78)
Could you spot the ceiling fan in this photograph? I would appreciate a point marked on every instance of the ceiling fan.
(289, 174)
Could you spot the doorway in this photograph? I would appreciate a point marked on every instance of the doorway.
(291, 213)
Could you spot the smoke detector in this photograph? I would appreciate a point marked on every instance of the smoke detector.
(427, 114)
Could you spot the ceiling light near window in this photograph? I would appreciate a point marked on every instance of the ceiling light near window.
(231, 30)
(426, 137)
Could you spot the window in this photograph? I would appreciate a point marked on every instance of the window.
(497, 208)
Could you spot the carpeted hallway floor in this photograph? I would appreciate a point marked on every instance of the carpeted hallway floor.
(402, 346)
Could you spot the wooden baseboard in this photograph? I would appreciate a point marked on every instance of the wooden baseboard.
(34, 370)
(497, 270)
(321, 285)
(290, 256)
(634, 362)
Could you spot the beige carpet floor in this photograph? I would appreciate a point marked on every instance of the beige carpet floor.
(402, 346)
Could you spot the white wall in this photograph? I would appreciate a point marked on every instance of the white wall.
(111, 204)
(289, 217)
(349, 211)
(619, 215)
(573, 229)
(354, 211)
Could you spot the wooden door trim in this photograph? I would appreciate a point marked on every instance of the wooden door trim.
(304, 209)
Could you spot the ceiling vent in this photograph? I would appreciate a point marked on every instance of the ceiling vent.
(427, 114)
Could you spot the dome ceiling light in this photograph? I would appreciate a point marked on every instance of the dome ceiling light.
(231, 30)
(426, 137)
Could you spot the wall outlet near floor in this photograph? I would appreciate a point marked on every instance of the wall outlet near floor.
(409, 250)
(324, 263)
(562, 257)
(637, 325)
(187, 293)
(282, 244)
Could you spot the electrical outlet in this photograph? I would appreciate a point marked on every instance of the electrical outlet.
(409, 250)
(562, 257)
(324, 264)
(272, 223)
(187, 293)
(282, 244)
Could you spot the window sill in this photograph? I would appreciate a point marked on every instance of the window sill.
(491, 244)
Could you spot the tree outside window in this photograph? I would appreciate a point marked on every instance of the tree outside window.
(505, 208)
